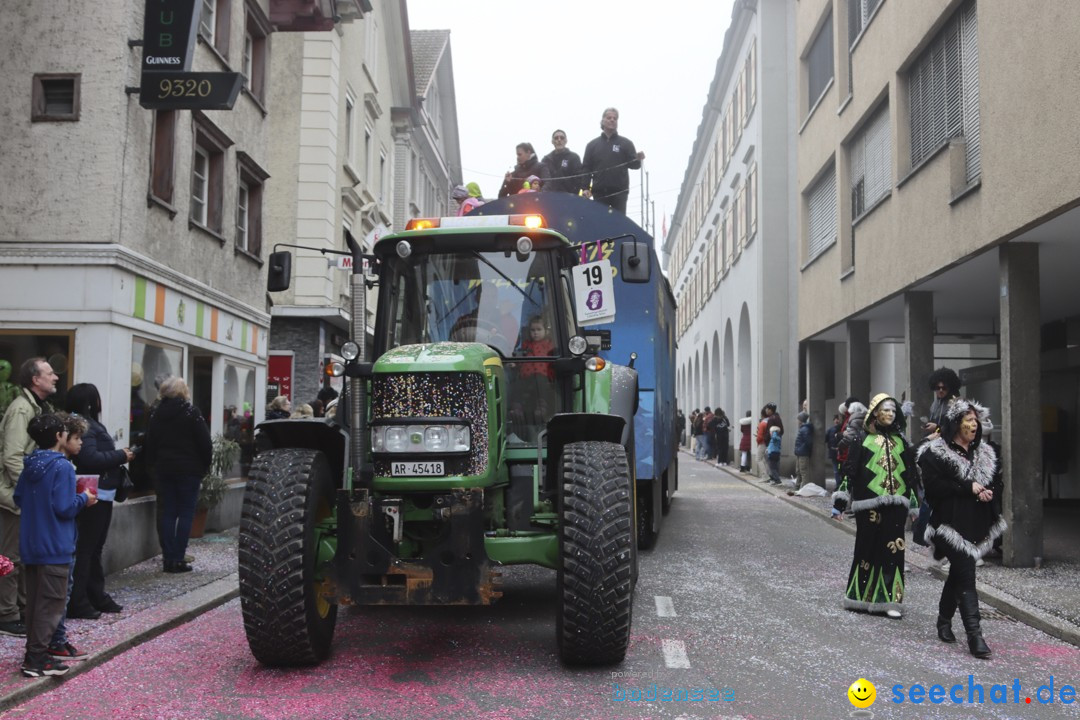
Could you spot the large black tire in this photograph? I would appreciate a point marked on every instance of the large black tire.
(286, 620)
(596, 538)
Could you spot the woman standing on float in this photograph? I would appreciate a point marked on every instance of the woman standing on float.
(879, 482)
(962, 476)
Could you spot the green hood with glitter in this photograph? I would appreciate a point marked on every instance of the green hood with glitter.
(437, 357)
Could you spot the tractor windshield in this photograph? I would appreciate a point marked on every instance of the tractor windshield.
(502, 298)
(471, 296)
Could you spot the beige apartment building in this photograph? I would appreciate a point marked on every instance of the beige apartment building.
(938, 212)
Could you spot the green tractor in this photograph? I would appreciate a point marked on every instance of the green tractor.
(486, 432)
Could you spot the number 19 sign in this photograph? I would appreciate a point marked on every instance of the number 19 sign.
(594, 293)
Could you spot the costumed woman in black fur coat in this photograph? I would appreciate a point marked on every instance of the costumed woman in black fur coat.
(879, 481)
(962, 475)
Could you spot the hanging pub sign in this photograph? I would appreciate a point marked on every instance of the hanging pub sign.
(189, 90)
(169, 31)
(167, 83)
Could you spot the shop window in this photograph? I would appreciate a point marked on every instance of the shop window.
(150, 364)
(18, 346)
(238, 420)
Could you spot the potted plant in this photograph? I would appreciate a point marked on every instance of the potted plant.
(214, 486)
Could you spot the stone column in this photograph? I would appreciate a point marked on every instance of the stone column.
(858, 360)
(919, 346)
(1021, 421)
(819, 361)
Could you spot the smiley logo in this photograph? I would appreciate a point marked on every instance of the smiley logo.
(862, 693)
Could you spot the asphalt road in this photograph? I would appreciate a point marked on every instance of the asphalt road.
(740, 601)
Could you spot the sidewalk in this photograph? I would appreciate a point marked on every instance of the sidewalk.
(1046, 598)
(153, 601)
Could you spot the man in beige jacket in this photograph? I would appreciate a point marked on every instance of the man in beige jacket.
(38, 381)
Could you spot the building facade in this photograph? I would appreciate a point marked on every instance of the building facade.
(728, 250)
(347, 139)
(132, 244)
(938, 200)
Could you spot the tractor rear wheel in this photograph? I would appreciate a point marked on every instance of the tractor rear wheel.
(286, 618)
(595, 583)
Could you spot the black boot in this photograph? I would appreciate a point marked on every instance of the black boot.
(946, 610)
(968, 603)
(944, 629)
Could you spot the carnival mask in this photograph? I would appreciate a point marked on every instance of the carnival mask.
(885, 415)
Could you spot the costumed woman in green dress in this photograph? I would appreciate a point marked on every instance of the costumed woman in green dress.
(879, 483)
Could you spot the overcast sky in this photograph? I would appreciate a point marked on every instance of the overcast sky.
(523, 69)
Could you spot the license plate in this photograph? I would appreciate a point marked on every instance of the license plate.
(416, 469)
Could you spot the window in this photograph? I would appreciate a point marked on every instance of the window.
(740, 209)
(350, 130)
(384, 178)
(256, 50)
(200, 186)
(150, 364)
(214, 25)
(737, 232)
(249, 201)
(55, 96)
(943, 88)
(750, 203)
(208, 174)
(751, 74)
(859, 13)
(163, 154)
(367, 154)
(819, 63)
(371, 48)
(242, 217)
(822, 216)
(869, 156)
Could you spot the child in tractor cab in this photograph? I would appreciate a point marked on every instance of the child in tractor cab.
(533, 393)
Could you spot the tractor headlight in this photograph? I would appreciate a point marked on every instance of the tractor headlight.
(396, 439)
(421, 438)
(460, 438)
(436, 438)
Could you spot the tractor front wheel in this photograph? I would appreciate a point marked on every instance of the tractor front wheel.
(287, 619)
(595, 576)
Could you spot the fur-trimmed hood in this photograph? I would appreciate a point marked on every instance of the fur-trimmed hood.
(954, 414)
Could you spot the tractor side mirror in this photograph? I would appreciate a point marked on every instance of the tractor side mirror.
(280, 272)
(634, 261)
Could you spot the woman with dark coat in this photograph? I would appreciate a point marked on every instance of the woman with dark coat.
(880, 482)
(963, 479)
(98, 456)
(178, 446)
(527, 164)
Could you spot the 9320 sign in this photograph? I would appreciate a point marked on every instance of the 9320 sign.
(189, 90)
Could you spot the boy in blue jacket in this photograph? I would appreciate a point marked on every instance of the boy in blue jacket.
(45, 493)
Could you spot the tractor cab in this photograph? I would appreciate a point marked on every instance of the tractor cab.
(507, 289)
